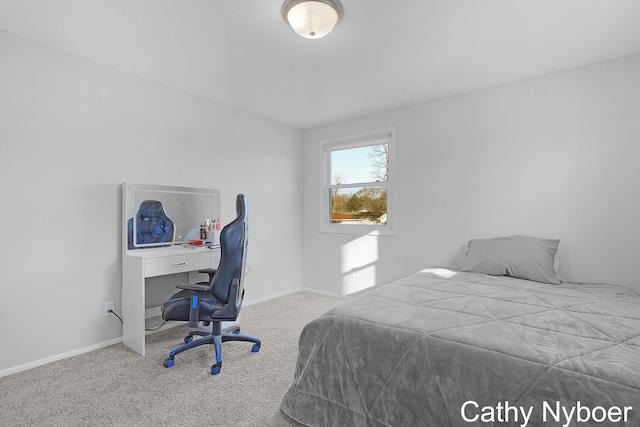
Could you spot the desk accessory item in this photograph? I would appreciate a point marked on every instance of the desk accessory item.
(216, 232)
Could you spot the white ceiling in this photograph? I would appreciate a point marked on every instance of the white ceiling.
(383, 54)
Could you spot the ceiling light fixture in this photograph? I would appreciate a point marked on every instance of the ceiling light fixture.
(312, 18)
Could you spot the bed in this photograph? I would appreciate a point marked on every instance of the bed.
(446, 347)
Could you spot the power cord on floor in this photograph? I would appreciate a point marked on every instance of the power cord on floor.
(146, 329)
(156, 327)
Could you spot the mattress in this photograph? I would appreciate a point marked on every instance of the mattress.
(450, 348)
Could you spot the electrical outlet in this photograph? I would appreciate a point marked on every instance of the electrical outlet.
(108, 306)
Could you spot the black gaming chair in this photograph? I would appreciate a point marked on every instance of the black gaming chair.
(218, 300)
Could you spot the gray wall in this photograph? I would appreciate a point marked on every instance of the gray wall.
(555, 156)
(72, 131)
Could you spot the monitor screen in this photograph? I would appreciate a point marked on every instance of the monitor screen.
(160, 215)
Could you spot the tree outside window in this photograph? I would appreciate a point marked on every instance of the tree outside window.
(357, 195)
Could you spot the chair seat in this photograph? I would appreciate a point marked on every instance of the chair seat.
(178, 306)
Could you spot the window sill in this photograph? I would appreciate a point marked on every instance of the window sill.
(361, 230)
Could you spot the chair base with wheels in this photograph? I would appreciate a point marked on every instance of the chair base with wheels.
(215, 337)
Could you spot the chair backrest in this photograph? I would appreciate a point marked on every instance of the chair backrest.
(233, 253)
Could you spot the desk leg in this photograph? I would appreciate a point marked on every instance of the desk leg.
(133, 303)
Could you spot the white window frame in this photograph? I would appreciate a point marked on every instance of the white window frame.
(378, 137)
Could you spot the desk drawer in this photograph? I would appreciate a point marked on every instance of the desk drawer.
(177, 264)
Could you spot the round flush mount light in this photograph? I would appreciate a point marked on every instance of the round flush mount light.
(312, 19)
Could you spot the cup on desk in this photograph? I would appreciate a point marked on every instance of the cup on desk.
(214, 237)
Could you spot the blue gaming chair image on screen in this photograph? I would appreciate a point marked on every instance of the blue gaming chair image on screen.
(218, 300)
(152, 225)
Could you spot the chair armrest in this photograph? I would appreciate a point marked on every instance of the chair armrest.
(194, 307)
(198, 287)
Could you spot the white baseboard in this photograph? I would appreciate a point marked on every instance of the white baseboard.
(249, 302)
(150, 312)
(55, 358)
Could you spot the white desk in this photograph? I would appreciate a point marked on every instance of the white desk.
(139, 264)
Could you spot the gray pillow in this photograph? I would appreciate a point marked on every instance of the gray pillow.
(524, 257)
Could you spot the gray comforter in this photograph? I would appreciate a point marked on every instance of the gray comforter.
(445, 348)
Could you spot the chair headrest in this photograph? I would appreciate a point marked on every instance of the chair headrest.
(151, 209)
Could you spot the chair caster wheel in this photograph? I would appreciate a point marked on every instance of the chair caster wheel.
(188, 339)
(168, 362)
(255, 348)
(215, 369)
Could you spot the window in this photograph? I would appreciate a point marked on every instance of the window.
(357, 190)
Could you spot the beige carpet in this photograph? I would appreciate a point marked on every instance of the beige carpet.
(114, 386)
